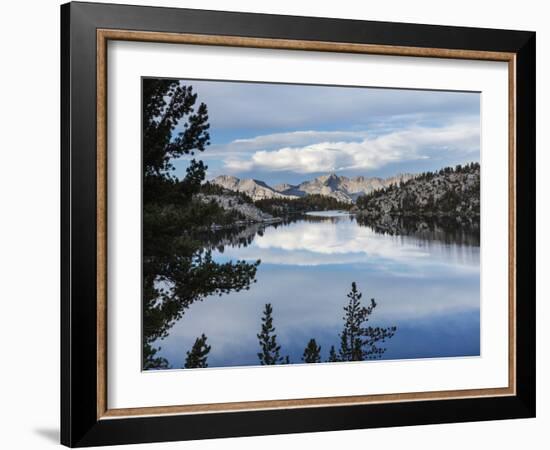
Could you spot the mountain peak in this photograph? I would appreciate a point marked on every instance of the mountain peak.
(332, 185)
(332, 180)
(226, 178)
(256, 189)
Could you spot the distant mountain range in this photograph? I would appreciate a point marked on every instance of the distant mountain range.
(339, 187)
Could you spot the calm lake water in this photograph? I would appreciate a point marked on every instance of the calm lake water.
(424, 277)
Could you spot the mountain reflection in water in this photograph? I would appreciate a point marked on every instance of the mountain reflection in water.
(424, 275)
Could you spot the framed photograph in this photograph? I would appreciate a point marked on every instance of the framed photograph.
(276, 224)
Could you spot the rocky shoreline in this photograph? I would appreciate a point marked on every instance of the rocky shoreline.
(243, 223)
(250, 212)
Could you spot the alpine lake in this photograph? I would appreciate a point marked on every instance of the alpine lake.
(423, 273)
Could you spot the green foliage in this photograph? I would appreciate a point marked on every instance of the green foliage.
(312, 353)
(359, 342)
(197, 357)
(270, 351)
(177, 268)
(315, 202)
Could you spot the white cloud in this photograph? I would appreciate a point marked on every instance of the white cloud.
(298, 138)
(243, 148)
(317, 151)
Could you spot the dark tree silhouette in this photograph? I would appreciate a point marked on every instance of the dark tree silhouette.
(358, 342)
(196, 358)
(332, 356)
(312, 353)
(311, 202)
(447, 229)
(177, 268)
(270, 351)
(165, 103)
(151, 361)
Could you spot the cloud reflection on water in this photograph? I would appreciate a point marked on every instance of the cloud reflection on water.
(344, 242)
(428, 288)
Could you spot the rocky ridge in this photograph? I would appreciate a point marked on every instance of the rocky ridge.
(250, 212)
(448, 192)
(255, 189)
(341, 188)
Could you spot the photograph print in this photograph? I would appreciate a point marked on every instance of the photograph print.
(299, 224)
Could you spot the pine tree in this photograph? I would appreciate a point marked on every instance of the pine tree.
(152, 361)
(312, 353)
(173, 255)
(271, 351)
(332, 356)
(196, 358)
(357, 341)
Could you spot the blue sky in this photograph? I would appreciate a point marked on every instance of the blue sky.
(290, 133)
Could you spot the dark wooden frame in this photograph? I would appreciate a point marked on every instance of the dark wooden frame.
(85, 419)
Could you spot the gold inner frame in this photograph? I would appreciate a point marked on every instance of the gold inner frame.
(104, 35)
